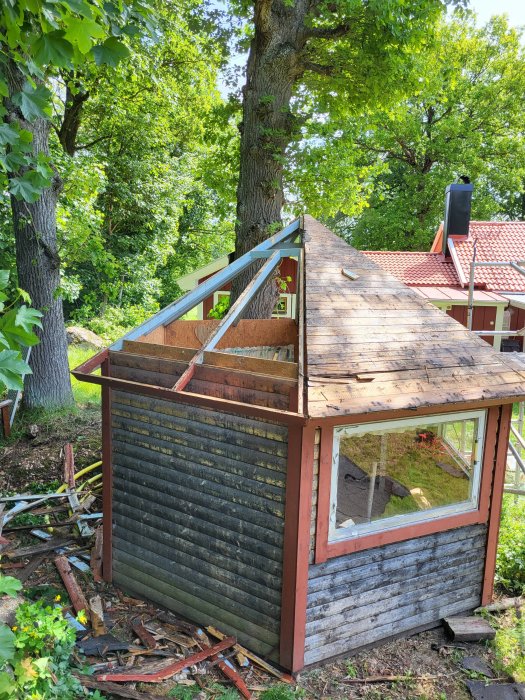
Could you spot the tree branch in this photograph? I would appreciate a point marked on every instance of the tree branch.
(95, 141)
(318, 68)
(327, 32)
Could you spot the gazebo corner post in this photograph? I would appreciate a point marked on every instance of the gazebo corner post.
(107, 477)
(296, 549)
(496, 500)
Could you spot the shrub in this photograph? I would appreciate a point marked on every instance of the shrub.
(510, 564)
(35, 656)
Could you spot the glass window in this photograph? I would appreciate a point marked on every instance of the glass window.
(281, 308)
(401, 472)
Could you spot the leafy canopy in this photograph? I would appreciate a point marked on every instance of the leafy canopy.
(36, 40)
(381, 172)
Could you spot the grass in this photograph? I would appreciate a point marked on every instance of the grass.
(509, 645)
(85, 394)
(412, 464)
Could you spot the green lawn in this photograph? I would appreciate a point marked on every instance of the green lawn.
(412, 464)
(85, 394)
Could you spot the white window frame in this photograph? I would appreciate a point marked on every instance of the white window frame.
(290, 302)
(336, 534)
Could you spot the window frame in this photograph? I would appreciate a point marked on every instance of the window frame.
(325, 549)
(336, 534)
(288, 296)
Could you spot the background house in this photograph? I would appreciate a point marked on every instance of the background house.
(442, 275)
(285, 307)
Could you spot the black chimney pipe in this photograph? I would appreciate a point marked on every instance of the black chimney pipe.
(457, 213)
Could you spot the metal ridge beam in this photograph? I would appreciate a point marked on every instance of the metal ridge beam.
(178, 308)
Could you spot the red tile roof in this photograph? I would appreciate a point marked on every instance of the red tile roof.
(498, 241)
(421, 269)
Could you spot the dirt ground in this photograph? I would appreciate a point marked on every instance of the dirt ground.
(427, 666)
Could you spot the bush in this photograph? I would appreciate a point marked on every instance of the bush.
(510, 564)
(35, 656)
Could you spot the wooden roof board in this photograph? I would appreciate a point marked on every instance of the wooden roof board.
(355, 332)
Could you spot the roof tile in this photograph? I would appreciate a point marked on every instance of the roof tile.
(419, 269)
(497, 241)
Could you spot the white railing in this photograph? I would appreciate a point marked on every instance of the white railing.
(515, 474)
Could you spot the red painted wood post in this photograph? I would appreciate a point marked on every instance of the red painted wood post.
(496, 502)
(107, 478)
(296, 552)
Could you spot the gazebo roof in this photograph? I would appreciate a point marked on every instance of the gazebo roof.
(373, 344)
(364, 343)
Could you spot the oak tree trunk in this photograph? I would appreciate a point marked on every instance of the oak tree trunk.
(38, 266)
(274, 65)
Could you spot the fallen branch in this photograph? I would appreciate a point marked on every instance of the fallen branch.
(73, 589)
(503, 604)
(394, 679)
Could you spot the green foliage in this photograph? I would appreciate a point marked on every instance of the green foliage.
(35, 656)
(221, 692)
(281, 692)
(39, 39)
(220, 309)
(510, 563)
(149, 200)
(16, 331)
(183, 692)
(379, 174)
(84, 393)
(509, 645)
(9, 585)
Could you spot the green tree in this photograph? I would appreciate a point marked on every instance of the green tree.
(38, 40)
(465, 117)
(142, 203)
(339, 53)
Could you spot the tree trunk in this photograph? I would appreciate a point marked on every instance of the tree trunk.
(274, 65)
(38, 266)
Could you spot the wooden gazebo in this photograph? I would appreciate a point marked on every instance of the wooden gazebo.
(311, 485)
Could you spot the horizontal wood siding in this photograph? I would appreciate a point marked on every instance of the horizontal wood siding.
(199, 514)
(362, 598)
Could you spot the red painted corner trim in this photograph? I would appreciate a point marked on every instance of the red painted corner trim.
(107, 480)
(326, 550)
(500, 463)
(324, 486)
(296, 546)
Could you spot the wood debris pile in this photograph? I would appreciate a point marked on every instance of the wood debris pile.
(125, 641)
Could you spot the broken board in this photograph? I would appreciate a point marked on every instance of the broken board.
(468, 629)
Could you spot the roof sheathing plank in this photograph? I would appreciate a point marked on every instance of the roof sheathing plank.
(351, 350)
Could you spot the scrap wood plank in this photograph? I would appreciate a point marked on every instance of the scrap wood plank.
(142, 633)
(96, 611)
(74, 591)
(468, 629)
(114, 689)
(172, 669)
(230, 672)
(96, 555)
(69, 479)
(54, 543)
(30, 569)
(256, 659)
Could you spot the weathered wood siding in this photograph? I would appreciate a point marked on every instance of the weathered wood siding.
(198, 510)
(362, 598)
